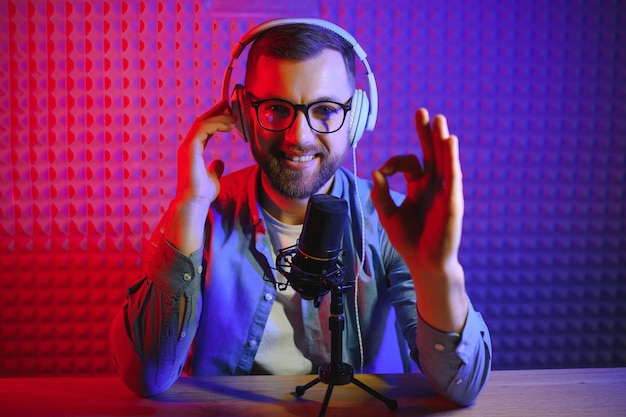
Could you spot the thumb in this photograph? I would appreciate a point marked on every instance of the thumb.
(216, 167)
(381, 198)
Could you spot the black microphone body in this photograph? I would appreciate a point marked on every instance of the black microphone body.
(315, 262)
(313, 268)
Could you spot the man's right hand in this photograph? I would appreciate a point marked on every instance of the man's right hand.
(197, 186)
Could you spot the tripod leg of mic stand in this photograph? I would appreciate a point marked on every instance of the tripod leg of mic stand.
(329, 392)
(301, 389)
(391, 404)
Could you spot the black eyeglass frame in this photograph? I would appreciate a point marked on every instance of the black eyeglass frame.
(304, 108)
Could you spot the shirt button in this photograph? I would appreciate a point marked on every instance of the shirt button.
(439, 347)
(268, 297)
(187, 276)
(252, 343)
(200, 269)
(183, 334)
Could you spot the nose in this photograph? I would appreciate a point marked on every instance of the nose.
(299, 133)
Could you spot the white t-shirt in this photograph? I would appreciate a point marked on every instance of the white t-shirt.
(281, 348)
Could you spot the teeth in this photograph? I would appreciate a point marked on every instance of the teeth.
(303, 158)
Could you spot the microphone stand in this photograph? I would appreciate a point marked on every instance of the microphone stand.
(338, 372)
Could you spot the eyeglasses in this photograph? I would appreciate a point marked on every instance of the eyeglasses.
(276, 114)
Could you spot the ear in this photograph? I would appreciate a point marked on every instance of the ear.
(238, 106)
(358, 116)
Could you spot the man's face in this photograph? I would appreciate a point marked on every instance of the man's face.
(299, 162)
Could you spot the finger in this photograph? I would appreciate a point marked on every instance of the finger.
(453, 175)
(216, 124)
(422, 124)
(203, 130)
(216, 119)
(381, 198)
(409, 165)
(440, 135)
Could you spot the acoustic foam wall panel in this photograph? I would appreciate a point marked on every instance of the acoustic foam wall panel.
(95, 97)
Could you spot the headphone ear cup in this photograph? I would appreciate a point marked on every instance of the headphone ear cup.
(238, 105)
(358, 116)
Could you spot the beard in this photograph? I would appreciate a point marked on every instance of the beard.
(297, 184)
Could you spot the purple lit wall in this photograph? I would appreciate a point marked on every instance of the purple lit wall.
(96, 95)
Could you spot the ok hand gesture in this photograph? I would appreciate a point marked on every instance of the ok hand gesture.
(426, 228)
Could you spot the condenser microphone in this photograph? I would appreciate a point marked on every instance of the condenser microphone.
(314, 263)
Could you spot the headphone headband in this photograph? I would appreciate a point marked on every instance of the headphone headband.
(258, 30)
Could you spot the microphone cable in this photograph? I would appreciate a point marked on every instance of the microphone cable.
(362, 261)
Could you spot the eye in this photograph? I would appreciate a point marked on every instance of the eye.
(274, 109)
(325, 110)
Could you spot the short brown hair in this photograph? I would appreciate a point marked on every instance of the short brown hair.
(299, 42)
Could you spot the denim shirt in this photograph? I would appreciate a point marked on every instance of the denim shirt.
(229, 297)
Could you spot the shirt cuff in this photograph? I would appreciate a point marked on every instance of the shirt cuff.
(457, 364)
(436, 347)
(173, 272)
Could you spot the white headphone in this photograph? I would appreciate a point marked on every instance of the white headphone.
(364, 110)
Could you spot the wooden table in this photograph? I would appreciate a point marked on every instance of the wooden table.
(540, 393)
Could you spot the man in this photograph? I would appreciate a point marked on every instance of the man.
(204, 290)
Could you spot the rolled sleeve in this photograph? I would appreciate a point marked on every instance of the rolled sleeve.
(150, 351)
(172, 272)
(458, 365)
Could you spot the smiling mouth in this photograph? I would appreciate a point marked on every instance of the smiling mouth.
(299, 158)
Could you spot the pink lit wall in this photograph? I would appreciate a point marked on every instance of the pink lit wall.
(96, 95)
